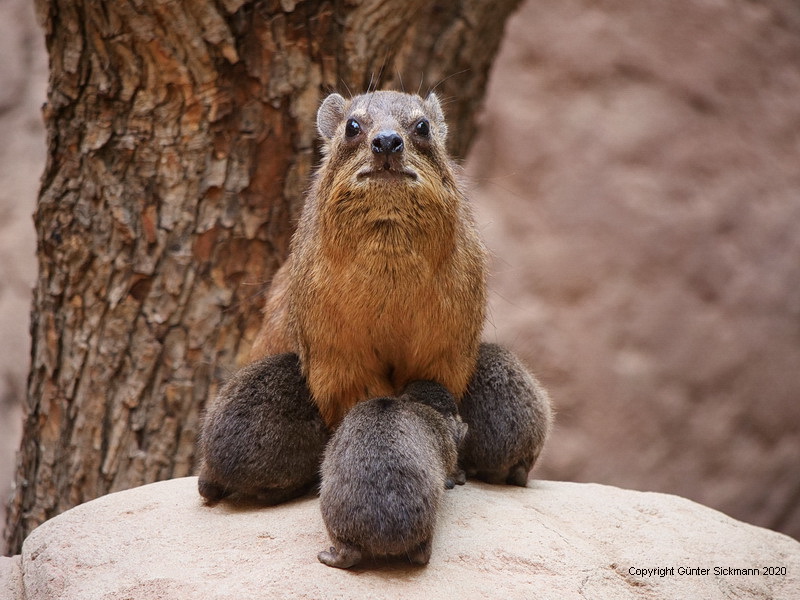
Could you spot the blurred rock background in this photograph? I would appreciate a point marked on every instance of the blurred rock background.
(637, 178)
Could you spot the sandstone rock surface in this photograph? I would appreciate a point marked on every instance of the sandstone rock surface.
(11, 577)
(551, 540)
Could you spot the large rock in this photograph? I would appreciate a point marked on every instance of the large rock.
(551, 540)
(11, 577)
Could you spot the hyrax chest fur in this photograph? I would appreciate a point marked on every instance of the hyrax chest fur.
(384, 473)
(386, 279)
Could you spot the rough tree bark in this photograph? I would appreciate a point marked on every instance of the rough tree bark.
(181, 137)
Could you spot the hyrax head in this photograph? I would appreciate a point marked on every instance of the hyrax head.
(385, 138)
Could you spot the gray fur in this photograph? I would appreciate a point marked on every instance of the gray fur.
(433, 105)
(384, 473)
(262, 437)
(509, 416)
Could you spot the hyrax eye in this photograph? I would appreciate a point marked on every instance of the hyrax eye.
(422, 128)
(352, 128)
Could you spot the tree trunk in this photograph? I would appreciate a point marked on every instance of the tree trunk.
(181, 138)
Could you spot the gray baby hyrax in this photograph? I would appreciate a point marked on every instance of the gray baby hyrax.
(262, 438)
(508, 413)
(384, 473)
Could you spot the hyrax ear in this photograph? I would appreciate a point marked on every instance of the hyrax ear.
(434, 109)
(329, 115)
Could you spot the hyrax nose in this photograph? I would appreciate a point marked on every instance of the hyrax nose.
(387, 142)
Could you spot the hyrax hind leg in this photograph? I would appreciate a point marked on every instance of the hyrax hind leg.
(342, 556)
(508, 416)
(421, 555)
(262, 436)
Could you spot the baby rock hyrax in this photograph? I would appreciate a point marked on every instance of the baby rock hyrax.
(386, 280)
(509, 416)
(262, 437)
(384, 473)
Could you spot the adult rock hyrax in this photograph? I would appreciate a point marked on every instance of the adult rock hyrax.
(384, 473)
(385, 284)
(386, 279)
(262, 437)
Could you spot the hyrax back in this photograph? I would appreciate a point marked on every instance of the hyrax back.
(509, 416)
(262, 437)
(384, 473)
(385, 283)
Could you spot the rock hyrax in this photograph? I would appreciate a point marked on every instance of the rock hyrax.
(386, 280)
(509, 416)
(384, 473)
(385, 284)
(262, 437)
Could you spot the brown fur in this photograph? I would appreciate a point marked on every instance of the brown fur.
(384, 472)
(385, 283)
